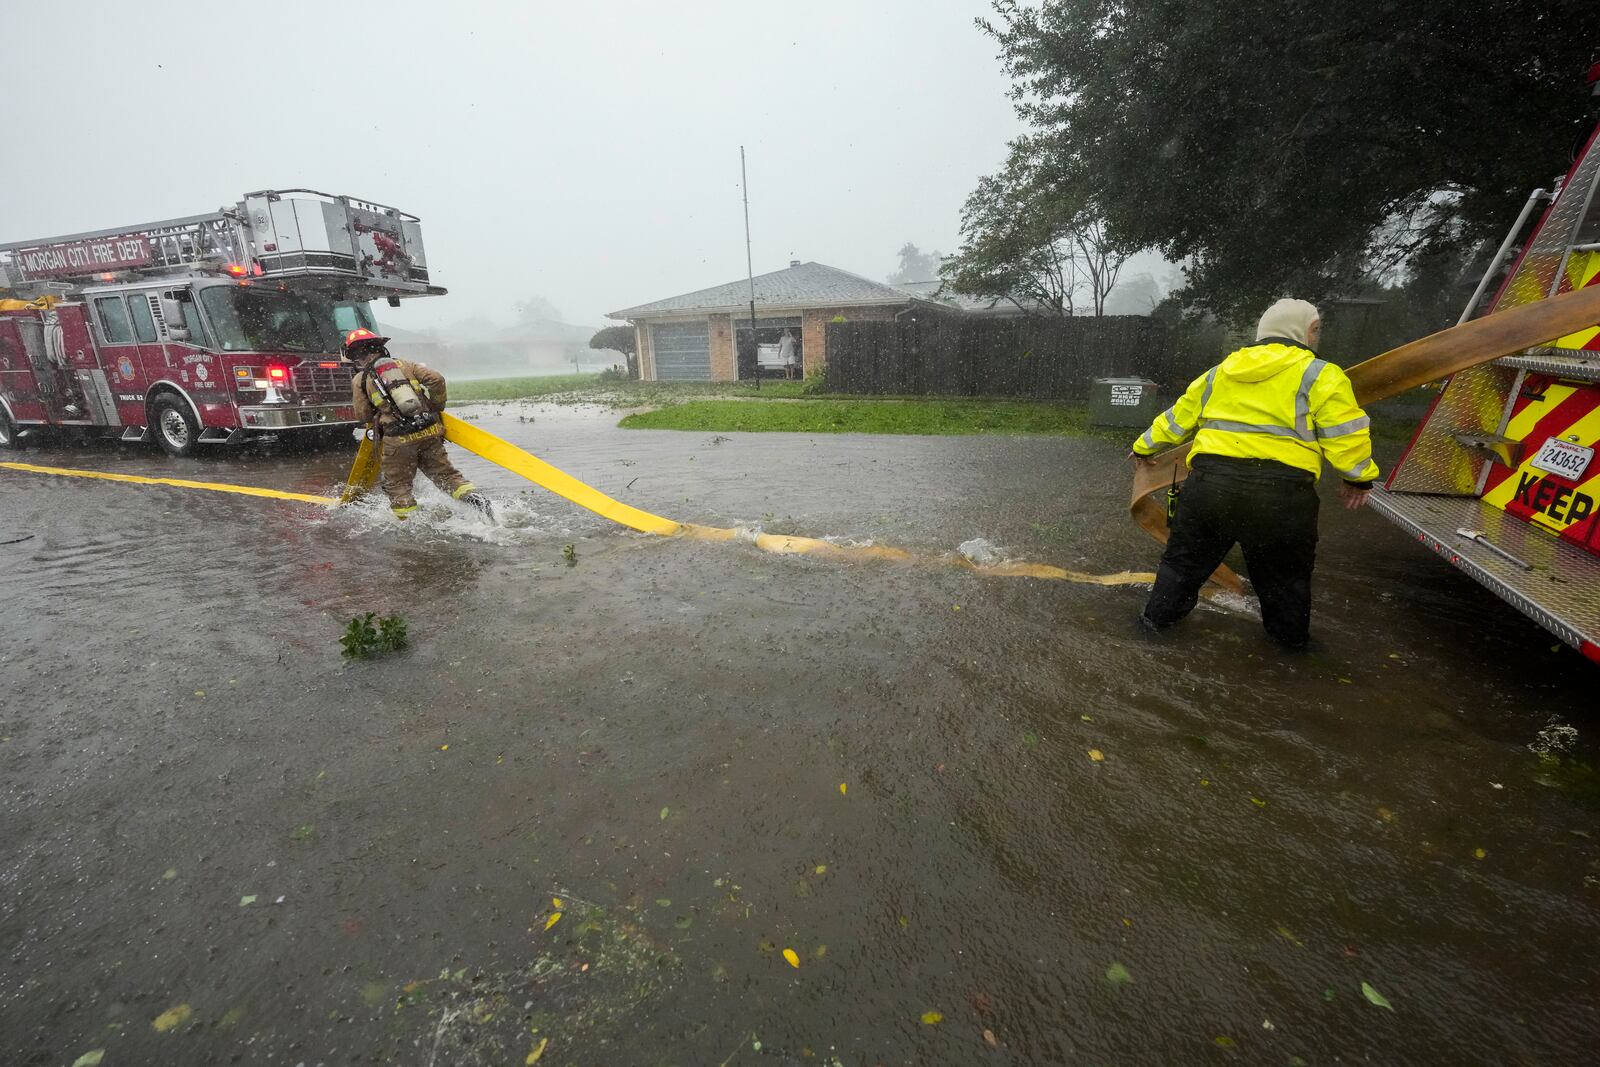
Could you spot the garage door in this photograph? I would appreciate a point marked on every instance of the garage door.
(682, 352)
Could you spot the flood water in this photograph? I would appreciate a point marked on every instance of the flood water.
(222, 844)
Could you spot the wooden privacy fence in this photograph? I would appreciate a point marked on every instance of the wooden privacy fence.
(952, 355)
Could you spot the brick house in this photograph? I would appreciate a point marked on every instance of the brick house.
(691, 337)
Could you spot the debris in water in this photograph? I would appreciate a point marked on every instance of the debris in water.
(1375, 997)
(170, 1018)
(990, 1040)
(90, 1059)
(555, 917)
(932, 1018)
(980, 551)
(793, 957)
(1553, 740)
(1096, 755)
(245, 902)
(538, 1051)
(842, 789)
(664, 813)
(1117, 974)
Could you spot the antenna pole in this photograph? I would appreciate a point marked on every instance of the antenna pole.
(750, 272)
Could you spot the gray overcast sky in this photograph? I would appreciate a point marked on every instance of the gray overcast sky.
(586, 153)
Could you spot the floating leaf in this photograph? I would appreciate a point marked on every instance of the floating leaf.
(538, 1051)
(1478, 853)
(1283, 931)
(842, 789)
(989, 1039)
(169, 874)
(90, 1059)
(444, 748)
(170, 1018)
(663, 902)
(1375, 997)
(555, 917)
(1096, 755)
(1117, 974)
(1030, 739)
(245, 902)
(555, 902)
(793, 957)
(932, 1018)
(664, 813)
(822, 950)
(1258, 802)
(1223, 1041)
(822, 868)
(1386, 815)
(683, 922)
(1087, 718)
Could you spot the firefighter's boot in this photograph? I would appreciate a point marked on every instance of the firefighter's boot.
(481, 502)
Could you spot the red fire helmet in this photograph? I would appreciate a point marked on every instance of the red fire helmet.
(358, 337)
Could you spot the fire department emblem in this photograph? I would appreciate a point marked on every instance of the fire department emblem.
(125, 369)
(201, 372)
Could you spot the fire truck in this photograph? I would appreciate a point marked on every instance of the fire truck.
(1500, 477)
(201, 330)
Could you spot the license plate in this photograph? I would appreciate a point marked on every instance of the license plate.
(1563, 459)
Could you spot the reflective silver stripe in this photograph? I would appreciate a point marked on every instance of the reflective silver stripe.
(1358, 474)
(1257, 427)
(1205, 395)
(1177, 430)
(1344, 427)
(1302, 399)
(1148, 440)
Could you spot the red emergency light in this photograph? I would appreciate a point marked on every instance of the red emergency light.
(278, 374)
(237, 270)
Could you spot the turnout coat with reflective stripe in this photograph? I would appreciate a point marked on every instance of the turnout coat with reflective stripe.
(1272, 400)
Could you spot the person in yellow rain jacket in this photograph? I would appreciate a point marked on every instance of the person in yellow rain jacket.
(1263, 422)
(400, 402)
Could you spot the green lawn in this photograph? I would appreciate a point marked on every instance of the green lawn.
(869, 416)
(517, 388)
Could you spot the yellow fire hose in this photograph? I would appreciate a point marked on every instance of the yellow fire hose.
(364, 475)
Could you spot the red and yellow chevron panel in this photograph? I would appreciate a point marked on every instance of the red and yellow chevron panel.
(1583, 269)
(1549, 407)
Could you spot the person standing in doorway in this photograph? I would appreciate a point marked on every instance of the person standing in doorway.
(1263, 421)
(786, 354)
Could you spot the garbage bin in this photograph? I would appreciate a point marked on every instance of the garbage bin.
(1123, 402)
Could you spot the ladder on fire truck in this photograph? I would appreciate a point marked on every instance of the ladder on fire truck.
(1499, 478)
(285, 235)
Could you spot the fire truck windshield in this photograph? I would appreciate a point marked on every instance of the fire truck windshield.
(270, 320)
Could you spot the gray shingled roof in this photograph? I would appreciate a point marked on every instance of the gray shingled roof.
(808, 285)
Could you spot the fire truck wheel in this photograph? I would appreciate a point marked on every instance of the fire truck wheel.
(8, 431)
(174, 426)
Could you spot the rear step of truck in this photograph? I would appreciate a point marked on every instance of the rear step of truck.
(1550, 580)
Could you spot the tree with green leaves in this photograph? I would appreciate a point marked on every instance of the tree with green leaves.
(916, 265)
(1300, 148)
(619, 339)
(1033, 240)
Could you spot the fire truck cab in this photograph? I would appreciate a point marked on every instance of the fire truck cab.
(200, 330)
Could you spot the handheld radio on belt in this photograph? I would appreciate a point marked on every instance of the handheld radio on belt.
(1172, 495)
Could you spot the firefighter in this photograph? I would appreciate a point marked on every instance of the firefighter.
(1263, 421)
(400, 402)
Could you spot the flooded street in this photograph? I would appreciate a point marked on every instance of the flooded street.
(992, 819)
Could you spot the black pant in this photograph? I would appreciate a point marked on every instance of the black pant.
(1270, 510)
